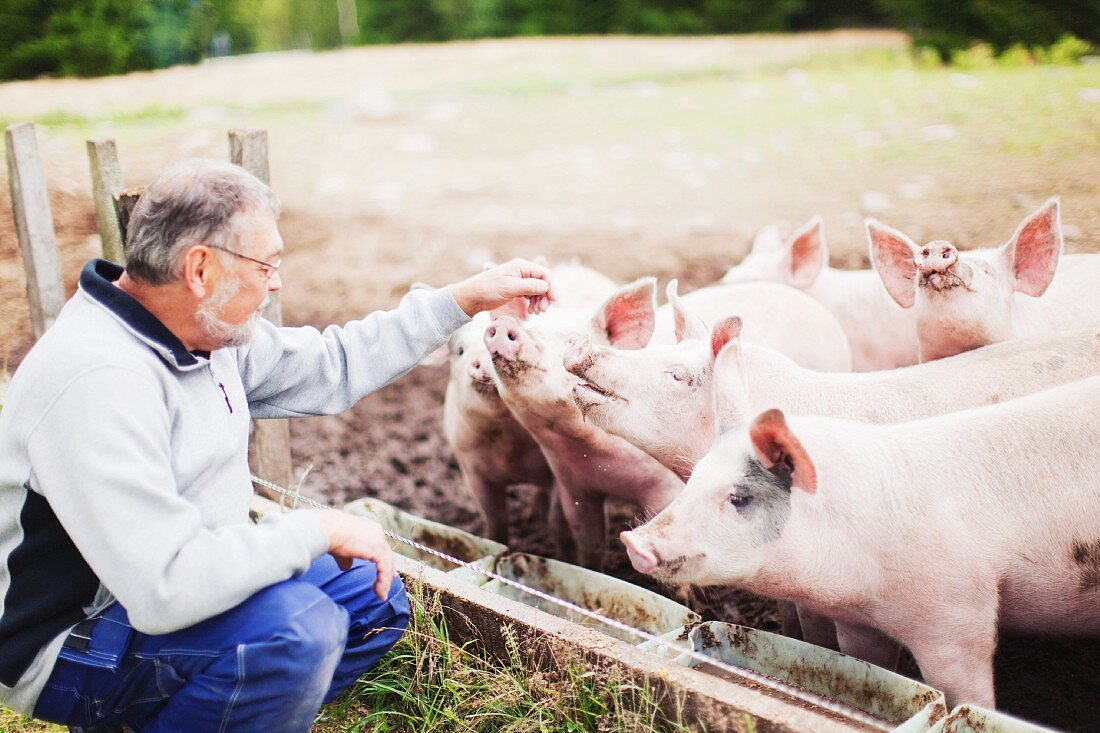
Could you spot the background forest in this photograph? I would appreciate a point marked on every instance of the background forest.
(99, 37)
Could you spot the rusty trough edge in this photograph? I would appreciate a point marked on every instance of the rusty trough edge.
(697, 698)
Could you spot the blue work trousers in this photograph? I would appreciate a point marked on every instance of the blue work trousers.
(266, 665)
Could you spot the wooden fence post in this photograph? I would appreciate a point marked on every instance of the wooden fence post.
(270, 445)
(106, 186)
(30, 201)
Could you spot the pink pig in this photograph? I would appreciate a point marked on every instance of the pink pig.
(783, 318)
(589, 465)
(880, 332)
(936, 533)
(964, 300)
(673, 400)
(492, 450)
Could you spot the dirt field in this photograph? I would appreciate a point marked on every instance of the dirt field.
(637, 156)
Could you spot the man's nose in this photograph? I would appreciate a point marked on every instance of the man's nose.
(275, 282)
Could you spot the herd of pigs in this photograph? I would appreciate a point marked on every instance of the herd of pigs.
(906, 455)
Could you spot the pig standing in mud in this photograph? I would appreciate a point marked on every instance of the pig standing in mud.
(672, 401)
(492, 450)
(936, 533)
(589, 465)
(965, 300)
(882, 334)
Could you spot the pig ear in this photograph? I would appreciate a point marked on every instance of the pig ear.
(726, 332)
(687, 325)
(1034, 249)
(627, 316)
(775, 444)
(771, 238)
(893, 255)
(806, 254)
(729, 398)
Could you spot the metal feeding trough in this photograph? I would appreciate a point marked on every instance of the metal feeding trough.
(625, 602)
(454, 542)
(911, 706)
(969, 719)
(885, 695)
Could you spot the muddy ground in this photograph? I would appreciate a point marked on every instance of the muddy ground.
(389, 178)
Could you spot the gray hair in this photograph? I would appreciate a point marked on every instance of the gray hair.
(191, 202)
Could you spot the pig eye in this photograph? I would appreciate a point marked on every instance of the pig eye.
(680, 375)
(988, 269)
(461, 350)
(740, 498)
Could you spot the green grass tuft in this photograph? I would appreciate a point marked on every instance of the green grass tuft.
(428, 683)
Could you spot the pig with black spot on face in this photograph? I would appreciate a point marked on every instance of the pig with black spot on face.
(936, 533)
(963, 300)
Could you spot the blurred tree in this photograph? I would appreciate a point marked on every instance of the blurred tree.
(68, 38)
(90, 37)
(97, 37)
(952, 24)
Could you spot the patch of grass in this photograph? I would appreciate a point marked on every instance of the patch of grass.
(428, 683)
(11, 722)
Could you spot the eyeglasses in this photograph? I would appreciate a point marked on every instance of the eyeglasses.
(269, 267)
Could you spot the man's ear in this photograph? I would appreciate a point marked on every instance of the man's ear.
(198, 271)
(775, 444)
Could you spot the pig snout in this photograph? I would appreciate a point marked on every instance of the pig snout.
(936, 257)
(503, 338)
(642, 557)
(579, 356)
(476, 371)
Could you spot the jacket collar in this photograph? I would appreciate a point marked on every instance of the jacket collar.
(97, 280)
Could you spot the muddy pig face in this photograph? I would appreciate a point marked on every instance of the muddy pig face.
(471, 365)
(657, 398)
(722, 528)
(964, 300)
(527, 357)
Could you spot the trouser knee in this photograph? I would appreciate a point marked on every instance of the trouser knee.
(308, 633)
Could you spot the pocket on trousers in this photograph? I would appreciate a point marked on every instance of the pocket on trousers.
(101, 641)
(146, 686)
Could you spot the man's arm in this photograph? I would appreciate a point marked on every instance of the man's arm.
(101, 457)
(291, 372)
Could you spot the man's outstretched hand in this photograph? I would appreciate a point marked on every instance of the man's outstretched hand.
(495, 287)
(351, 537)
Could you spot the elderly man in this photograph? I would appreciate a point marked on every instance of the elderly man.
(134, 593)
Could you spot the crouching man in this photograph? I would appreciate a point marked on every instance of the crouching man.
(134, 592)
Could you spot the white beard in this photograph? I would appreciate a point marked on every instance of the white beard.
(214, 328)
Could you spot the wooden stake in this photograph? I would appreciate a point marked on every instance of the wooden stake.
(106, 185)
(269, 448)
(30, 202)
